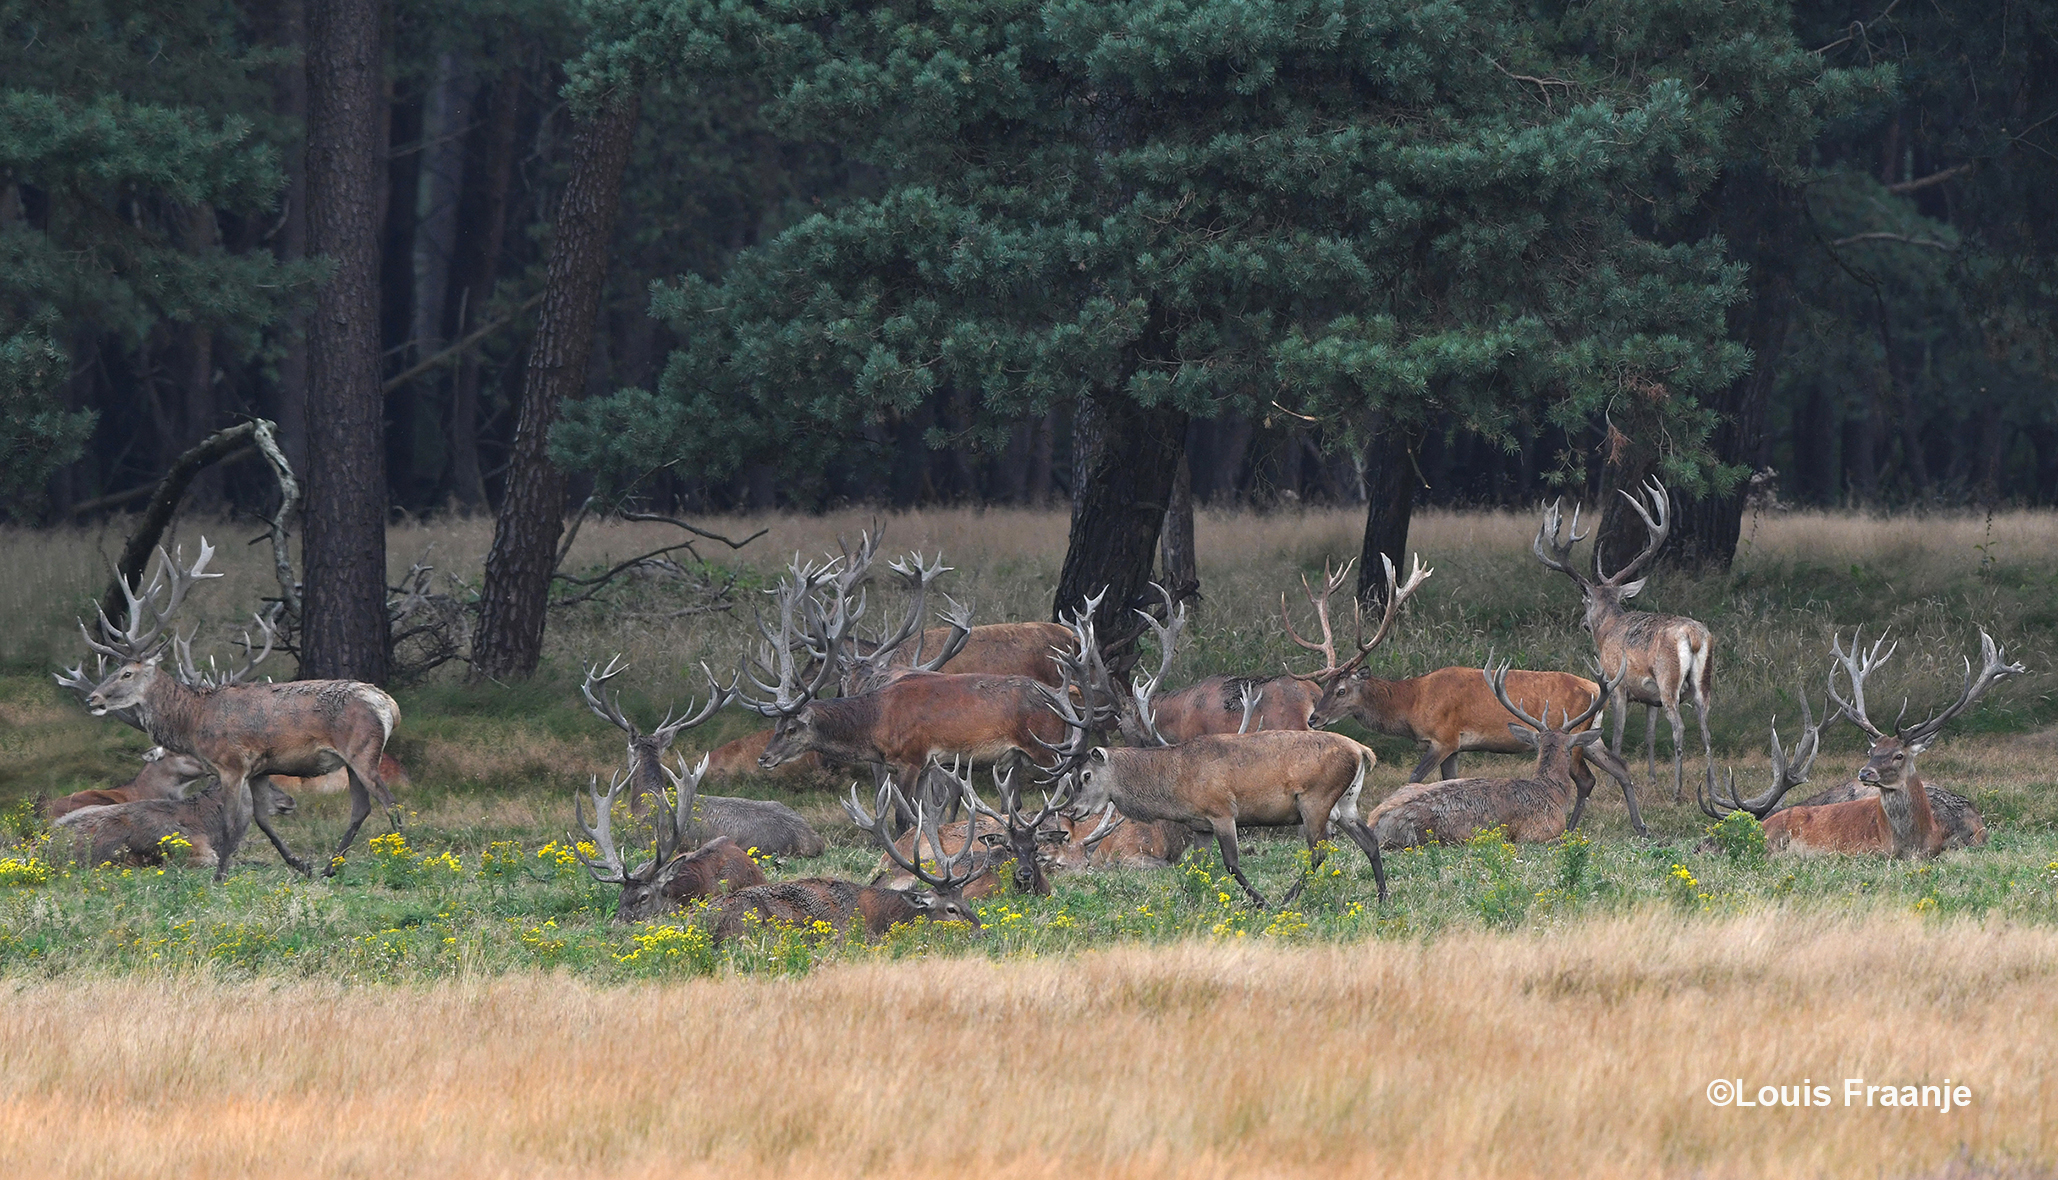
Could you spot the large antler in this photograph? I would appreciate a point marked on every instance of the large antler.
(139, 638)
(866, 669)
(1857, 669)
(953, 871)
(1559, 553)
(214, 677)
(1992, 670)
(804, 625)
(1789, 770)
(608, 868)
(1396, 594)
(1657, 526)
(609, 708)
(1023, 832)
(1497, 679)
(1146, 687)
(1332, 581)
(1084, 697)
(675, 811)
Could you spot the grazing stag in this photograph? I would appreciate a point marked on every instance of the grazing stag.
(672, 877)
(989, 649)
(1666, 654)
(740, 757)
(243, 731)
(842, 904)
(1216, 782)
(753, 823)
(1534, 809)
(1890, 811)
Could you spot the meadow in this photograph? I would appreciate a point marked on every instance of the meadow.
(459, 996)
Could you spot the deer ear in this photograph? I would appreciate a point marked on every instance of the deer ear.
(1100, 754)
(1632, 589)
(1917, 747)
(152, 661)
(1523, 734)
(1586, 737)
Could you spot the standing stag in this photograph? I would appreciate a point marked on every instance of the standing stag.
(754, 823)
(1890, 810)
(1666, 654)
(879, 908)
(1214, 782)
(670, 878)
(1532, 810)
(242, 731)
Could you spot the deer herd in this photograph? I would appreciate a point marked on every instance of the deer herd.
(1089, 760)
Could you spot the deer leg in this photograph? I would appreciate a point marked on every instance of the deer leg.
(1651, 746)
(1678, 752)
(1430, 757)
(261, 814)
(1225, 835)
(236, 813)
(1361, 835)
(360, 808)
(1707, 745)
(1449, 769)
(1621, 710)
(1317, 832)
(1583, 778)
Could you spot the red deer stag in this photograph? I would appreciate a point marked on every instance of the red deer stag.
(1534, 809)
(754, 823)
(132, 833)
(1217, 782)
(165, 775)
(842, 904)
(1666, 654)
(672, 877)
(1899, 818)
(904, 724)
(243, 731)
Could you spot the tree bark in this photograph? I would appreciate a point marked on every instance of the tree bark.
(1180, 565)
(1125, 458)
(1390, 484)
(482, 218)
(344, 627)
(516, 592)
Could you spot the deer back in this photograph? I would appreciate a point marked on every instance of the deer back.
(1455, 707)
(1215, 705)
(1857, 827)
(1960, 821)
(995, 649)
(762, 824)
(1257, 778)
(790, 903)
(132, 833)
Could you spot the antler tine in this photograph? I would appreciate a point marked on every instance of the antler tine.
(1332, 581)
(1110, 820)
(889, 799)
(1992, 671)
(677, 820)
(1607, 689)
(1146, 687)
(1560, 555)
(1251, 696)
(718, 697)
(608, 710)
(1656, 528)
(1397, 592)
(1856, 670)
(1789, 770)
(959, 619)
(917, 572)
(608, 870)
(1497, 679)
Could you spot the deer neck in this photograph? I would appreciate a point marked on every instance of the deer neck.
(1909, 814)
(1388, 706)
(170, 713)
(1554, 767)
(846, 728)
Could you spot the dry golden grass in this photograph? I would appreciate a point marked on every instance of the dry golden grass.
(1585, 1052)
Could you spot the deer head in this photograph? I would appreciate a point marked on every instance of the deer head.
(943, 898)
(1341, 683)
(1605, 592)
(1890, 763)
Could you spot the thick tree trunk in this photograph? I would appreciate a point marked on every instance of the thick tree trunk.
(1761, 218)
(1180, 566)
(1390, 484)
(482, 227)
(1124, 461)
(344, 627)
(516, 592)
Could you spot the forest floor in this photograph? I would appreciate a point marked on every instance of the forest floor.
(458, 997)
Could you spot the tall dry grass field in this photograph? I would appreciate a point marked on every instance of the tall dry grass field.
(1585, 1052)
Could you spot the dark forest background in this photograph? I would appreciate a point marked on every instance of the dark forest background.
(1871, 188)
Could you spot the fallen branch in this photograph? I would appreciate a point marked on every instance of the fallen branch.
(1904, 239)
(454, 351)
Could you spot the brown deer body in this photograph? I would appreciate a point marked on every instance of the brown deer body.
(303, 728)
(391, 772)
(1898, 820)
(1531, 809)
(740, 757)
(920, 717)
(990, 649)
(1961, 822)
(1215, 705)
(165, 777)
(673, 876)
(1668, 656)
(131, 833)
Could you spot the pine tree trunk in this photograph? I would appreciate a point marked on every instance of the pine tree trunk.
(489, 175)
(1390, 484)
(1181, 566)
(516, 592)
(344, 624)
(1125, 458)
